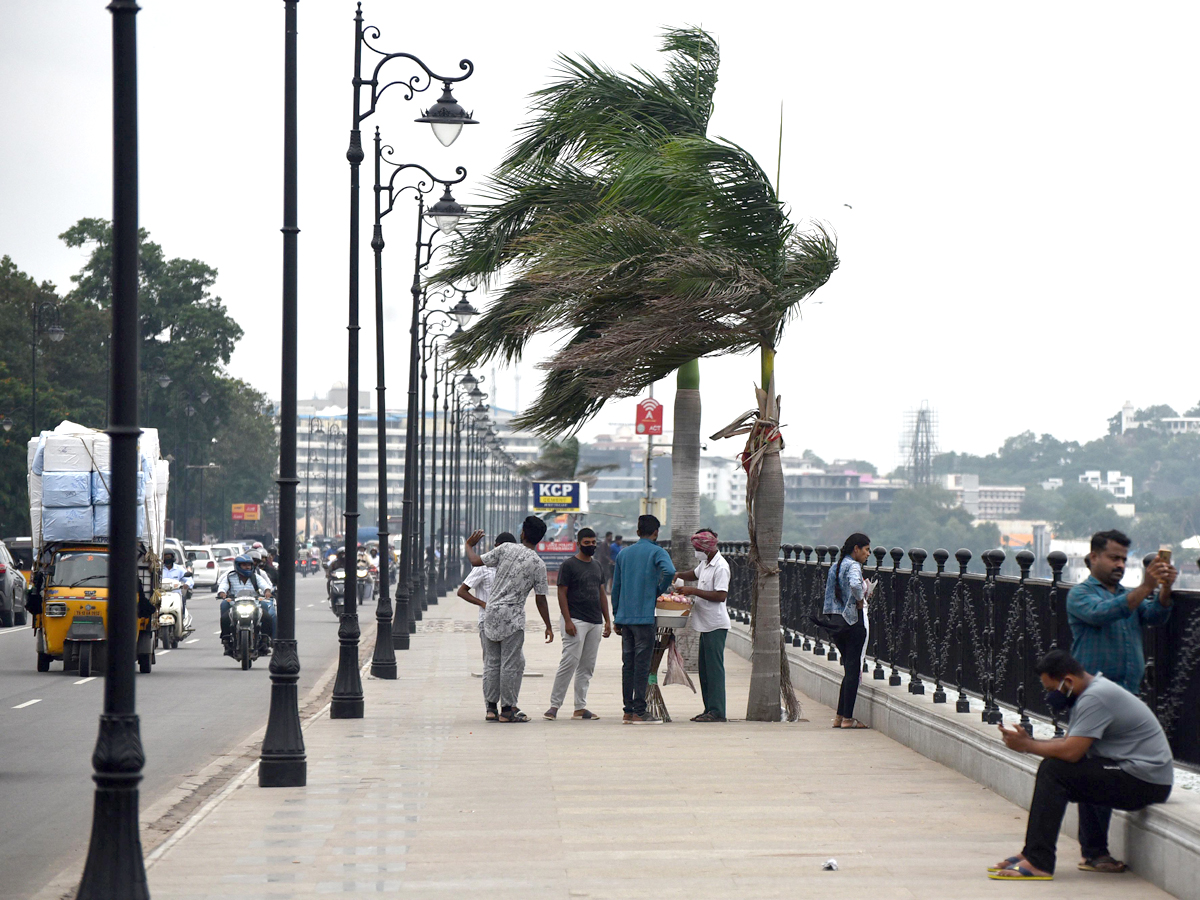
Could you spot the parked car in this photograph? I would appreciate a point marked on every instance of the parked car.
(12, 591)
(206, 571)
(21, 549)
(225, 554)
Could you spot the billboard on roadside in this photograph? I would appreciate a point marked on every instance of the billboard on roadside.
(559, 496)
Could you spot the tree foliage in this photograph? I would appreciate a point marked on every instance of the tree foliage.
(187, 337)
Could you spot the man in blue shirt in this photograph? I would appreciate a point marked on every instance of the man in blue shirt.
(643, 571)
(1106, 627)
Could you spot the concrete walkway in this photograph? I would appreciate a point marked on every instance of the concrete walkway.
(421, 798)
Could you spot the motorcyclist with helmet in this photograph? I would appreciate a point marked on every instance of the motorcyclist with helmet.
(171, 569)
(244, 575)
(262, 565)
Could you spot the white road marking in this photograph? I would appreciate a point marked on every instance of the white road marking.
(160, 653)
(216, 632)
(17, 629)
(193, 641)
(311, 605)
(86, 680)
(27, 703)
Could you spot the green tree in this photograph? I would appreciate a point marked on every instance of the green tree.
(618, 220)
(1084, 511)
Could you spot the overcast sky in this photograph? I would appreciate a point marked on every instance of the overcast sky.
(1014, 188)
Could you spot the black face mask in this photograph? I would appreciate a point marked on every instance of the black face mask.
(1058, 701)
(586, 550)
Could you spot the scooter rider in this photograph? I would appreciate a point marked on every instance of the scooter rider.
(262, 566)
(243, 575)
(176, 572)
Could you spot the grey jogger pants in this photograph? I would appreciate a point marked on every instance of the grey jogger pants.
(578, 660)
(503, 668)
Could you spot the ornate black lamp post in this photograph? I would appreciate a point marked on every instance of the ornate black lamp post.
(447, 119)
(332, 433)
(283, 762)
(43, 313)
(114, 869)
(314, 427)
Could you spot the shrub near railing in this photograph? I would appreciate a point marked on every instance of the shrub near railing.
(956, 634)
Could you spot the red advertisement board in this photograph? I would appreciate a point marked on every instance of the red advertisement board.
(554, 554)
(649, 417)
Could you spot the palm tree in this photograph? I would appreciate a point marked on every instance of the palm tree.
(619, 221)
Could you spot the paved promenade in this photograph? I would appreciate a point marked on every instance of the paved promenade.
(422, 798)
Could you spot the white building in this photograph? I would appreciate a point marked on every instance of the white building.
(723, 481)
(1114, 482)
(987, 502)
(1169, 424)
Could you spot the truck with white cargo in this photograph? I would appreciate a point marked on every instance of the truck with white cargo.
(69, 482)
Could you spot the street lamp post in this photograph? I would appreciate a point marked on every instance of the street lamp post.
(56, 333)
(314, 427)
(447, 119)
(283, 761)
(332, 433)
(114, 869)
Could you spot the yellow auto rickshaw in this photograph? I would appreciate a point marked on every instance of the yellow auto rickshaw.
(72, 624)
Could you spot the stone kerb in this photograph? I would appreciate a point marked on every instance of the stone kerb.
(1161, 843)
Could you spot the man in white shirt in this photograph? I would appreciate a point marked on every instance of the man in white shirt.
(710, 617)
(477, 589)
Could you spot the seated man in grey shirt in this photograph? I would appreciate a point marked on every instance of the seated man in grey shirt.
(1115, 753)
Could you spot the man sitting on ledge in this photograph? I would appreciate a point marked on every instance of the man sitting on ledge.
(1115, 753)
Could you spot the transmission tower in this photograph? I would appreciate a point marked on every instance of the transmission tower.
(918, 444)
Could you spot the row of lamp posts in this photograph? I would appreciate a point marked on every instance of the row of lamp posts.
(478, 482)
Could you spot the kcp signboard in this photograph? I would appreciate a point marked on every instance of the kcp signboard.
(559, 496)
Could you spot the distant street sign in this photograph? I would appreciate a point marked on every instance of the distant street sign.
(244, 512)
(649, 417)
(559, 496)
(251, 512)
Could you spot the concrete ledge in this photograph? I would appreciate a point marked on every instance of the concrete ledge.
(1160, 843)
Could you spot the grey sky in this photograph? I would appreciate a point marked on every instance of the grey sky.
(1022, 180)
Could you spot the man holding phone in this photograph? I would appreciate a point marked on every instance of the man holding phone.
(1106, 627)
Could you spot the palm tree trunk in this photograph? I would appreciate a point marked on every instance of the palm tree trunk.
(685, 465)
(766, 532)
(685, 489)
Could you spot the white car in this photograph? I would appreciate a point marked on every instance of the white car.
(206, 572)
(225, 555)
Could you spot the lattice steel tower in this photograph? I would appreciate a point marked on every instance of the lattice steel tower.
(919, 443)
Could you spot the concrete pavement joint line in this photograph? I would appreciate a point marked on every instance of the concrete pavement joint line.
(195, 818)
(27, 703)
(94, 677)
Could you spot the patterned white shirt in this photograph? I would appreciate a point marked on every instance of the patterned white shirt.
(519, 570)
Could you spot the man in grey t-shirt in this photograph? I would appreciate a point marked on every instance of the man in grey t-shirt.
(1115, 753)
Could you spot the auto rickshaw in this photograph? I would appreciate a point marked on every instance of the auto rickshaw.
(71, 586)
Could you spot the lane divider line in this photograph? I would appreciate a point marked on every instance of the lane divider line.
(160, 653)
(27, 703)
(193, 641)
(16, 629)
(90, 678)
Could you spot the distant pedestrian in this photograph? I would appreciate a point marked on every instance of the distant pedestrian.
(1115, 753)
(1106, 629)
(844, 597)
(604, 557)
(643, 571)
(585, 620)
(519, 570)
(477, 589)
(710, 617)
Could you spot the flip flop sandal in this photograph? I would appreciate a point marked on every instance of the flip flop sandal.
(513, 716)
(857, 725)
(584, 714)
(1103, 864)
(1008, 864)
(1023, 874)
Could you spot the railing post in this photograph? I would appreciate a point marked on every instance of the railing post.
(819, 595)
(786, 600)
(894, 617)
(915, 595)
(1057, 561)
(940, 649)
(1025, 559)
(805, 594)
(992, 559)
(960, 597)
(880, 553)
(831, 653)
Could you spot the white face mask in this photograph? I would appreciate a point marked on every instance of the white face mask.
(701, 556)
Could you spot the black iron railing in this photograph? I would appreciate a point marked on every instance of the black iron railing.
(956, 634)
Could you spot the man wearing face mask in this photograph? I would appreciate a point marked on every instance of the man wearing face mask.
(1115, 753)
(1106, 627)
(710, 617)
(585, 619)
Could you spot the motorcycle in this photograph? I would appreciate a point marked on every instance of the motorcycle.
(366, 582)
(336, 586)
(302, 567)
(173, 623)
(245, 642)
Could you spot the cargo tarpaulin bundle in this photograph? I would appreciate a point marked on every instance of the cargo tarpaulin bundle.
(69, 481)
